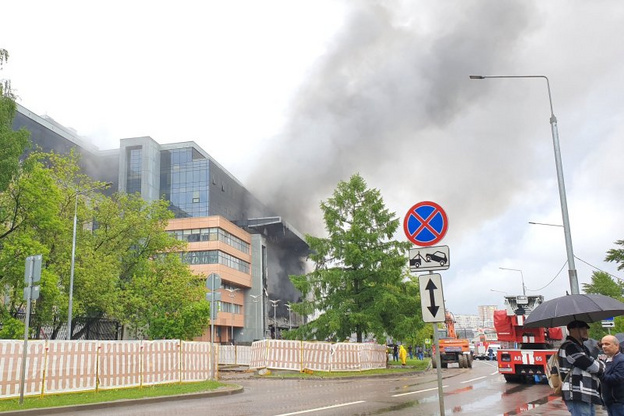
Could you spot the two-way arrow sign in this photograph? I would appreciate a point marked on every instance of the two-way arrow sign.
(431, 297)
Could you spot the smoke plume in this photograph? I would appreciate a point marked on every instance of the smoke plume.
(375, 102)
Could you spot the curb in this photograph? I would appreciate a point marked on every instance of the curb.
(119, 403)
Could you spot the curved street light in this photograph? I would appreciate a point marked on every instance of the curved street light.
(574, 287)
(231, 295)
(521, 275)
(256, 300)
(274, 304)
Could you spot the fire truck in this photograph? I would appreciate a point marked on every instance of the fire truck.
(452, 348)
(487, 337)
(524, 352)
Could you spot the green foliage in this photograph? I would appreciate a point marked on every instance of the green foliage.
(112, 395)
(602, 283)
(168, 301)
(617, 255)
(359, 280)
(12, 143)
(120, 271)
(11, 328)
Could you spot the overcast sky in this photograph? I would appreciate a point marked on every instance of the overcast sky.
(294, 96)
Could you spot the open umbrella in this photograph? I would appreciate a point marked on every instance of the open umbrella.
(581, 307)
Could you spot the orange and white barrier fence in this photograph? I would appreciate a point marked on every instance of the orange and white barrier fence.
(234, 354)
(317, 356)
(69, 366)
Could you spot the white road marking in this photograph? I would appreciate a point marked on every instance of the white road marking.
(415, 392)
(321, 408)
(474, 379)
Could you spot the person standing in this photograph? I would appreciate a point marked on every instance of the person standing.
(395, 352)
(402, 354)
(613, 377)
(579, 372)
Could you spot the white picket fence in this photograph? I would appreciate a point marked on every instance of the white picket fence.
(317, 356)
(71, 366)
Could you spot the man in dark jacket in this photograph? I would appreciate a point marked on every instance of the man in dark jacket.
(579, 372)
(613, 377)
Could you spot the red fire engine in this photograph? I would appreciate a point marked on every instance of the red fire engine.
(524, 351)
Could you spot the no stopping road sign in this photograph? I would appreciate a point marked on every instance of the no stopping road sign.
(425, 224)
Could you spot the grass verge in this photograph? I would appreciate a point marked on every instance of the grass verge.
(73, 399)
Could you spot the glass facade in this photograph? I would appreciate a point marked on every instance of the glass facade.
(133, 183)
(215, 257)
(211, 234)
(184, 176)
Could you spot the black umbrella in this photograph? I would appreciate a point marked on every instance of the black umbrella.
(582, 307)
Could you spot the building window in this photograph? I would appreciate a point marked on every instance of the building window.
(211, 234)
(215, 257)
(134, 169)
(189, 172)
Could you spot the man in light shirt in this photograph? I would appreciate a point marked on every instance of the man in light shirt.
(613, 377)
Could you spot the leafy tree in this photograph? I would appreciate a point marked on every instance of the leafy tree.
(158, 294)
(617, 254)
(358, 280)
(12, 143)
(30, 223)
(602, 283)
(120, 241)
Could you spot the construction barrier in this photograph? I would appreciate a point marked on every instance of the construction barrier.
(234, 355)
(316, 356)
(70, 366)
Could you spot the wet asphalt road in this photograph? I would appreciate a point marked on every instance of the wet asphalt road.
(477, 391)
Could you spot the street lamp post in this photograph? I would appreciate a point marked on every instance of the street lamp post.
(274, 304)
(289, 320)
(256, 300)
(574, 287)
(231, 295)
(71, 273)
(73, 260)
(521, 276)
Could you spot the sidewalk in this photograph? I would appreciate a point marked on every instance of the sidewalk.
(557, 407)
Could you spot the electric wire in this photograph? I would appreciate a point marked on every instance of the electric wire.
(562, 268)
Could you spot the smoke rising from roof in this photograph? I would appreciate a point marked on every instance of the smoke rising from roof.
(374, 102)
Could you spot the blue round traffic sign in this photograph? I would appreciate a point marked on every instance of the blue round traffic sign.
(425, 223)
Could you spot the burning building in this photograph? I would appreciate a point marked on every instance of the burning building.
(228, 230)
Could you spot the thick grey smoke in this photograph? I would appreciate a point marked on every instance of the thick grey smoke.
(375, 102)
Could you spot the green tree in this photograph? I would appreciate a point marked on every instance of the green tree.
(30, 223)
(12, 143)
(121, 244)
(358, 280)
(617, 255)
(602, 283)
(157, 293)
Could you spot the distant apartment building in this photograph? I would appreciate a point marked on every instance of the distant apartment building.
(486, 315)
(467, 321)
(229, 231)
